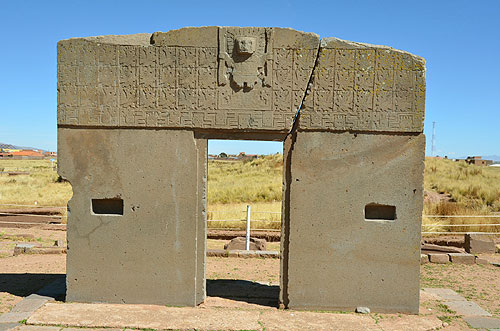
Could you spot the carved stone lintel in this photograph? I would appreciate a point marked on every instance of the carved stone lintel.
(245, 56)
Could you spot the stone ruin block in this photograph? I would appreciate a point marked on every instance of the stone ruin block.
(353, 221)
(479, 243)
(134, 115)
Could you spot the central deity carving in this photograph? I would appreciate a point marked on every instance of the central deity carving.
(245, 56)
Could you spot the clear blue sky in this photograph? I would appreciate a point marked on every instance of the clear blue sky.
(459, 39)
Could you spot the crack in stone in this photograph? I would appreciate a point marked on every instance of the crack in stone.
(306, 93)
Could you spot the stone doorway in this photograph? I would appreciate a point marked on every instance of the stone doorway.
(244, 176)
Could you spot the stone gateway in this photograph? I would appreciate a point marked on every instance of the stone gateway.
(134, 116)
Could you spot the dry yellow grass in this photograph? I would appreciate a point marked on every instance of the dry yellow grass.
(257, 180)
(470, 185)
(474, 190)
(264, 215)
(40, 187)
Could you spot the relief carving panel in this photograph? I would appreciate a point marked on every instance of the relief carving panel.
(365, 87)
(238, 78)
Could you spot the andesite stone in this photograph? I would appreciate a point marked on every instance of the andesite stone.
(479, 243)
(134, 116)
(439, 258)
(462, 258)
(239, 243)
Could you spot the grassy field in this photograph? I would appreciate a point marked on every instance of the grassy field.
(472, 190)
(40, 187)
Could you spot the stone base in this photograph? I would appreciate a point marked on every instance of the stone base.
(439, 258)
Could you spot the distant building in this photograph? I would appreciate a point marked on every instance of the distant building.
(244, 156)
(50, 154)
(23, 154)
(478, 160)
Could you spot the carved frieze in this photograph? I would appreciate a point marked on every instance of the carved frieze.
(365, 87)
(238, 78)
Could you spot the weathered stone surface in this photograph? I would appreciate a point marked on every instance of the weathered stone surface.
(154, 251)
(467, 308)
(481, 322)
(439, 258)
(8, 326)
(424, 258)
(462, 258)
(481, 261)
(214, 318)
(201, 78)
(217, 252)
(187, 78)
(30, 304)
(134, 116)
(23, 248)
(363, 310)
(479, 243)
(268, 254)
(145, 317)
(431, 248)
(38, 328)
(14, 317)
(445, 294)
(239, 243)
(365, 87)
(335, 243)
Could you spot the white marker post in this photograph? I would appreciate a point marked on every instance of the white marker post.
(248, 229)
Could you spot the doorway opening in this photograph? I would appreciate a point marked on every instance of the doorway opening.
(244, 190)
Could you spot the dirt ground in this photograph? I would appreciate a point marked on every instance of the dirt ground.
(23, 274)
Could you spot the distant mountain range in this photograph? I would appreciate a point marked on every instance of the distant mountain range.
(2, 145)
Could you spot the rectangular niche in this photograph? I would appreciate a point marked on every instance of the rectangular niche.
(112, 206)
(379, 212)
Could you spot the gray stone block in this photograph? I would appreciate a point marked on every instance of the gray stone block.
(479, 243)
(424, 258)
(481, 261)
(445, 294)
(467, 308)
(29, 304)
(462, 258)
(8, 326)
(39, 328)
(247, 254)
(217, 252)
(14, 317)
(150, 246)
(239, 243)
(339, 241)
(439, 258)
(482, 322)
(23, 248)
(363, 310)
(268, 254)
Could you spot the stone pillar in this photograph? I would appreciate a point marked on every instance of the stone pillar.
(136, 221)
(353, 225)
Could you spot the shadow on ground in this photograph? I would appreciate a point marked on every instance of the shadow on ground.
(54, 285)
(51, 285)
(244, 290)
